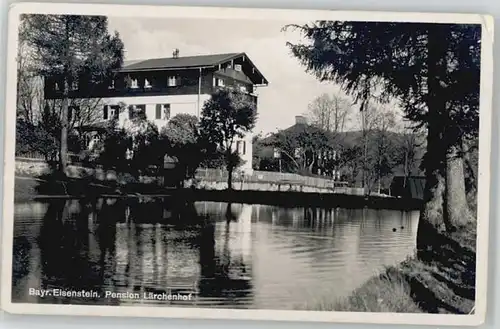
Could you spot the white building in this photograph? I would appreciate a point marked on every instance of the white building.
(161, 88)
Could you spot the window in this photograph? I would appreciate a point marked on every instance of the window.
(74, 85)
(237, 67)
(162, 112)
(131, 111)
(147, 84)
(173, 81)
(218, 82)
(105, 112)
(73, 111)
(141, 111)
(134, 84)
(137, 111)
(241, 147)
(111, 112)
(111, 84)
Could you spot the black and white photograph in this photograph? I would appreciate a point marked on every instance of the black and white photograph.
(278, 162)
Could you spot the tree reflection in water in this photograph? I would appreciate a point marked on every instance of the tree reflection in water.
(233, 255)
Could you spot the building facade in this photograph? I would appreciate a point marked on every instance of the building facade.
(160, 88)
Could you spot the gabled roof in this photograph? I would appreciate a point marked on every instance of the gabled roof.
(184, 62)
(179, 62)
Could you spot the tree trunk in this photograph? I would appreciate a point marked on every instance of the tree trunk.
(405, 169)
(365, 151)
(379, 178)
(431, 220)
(63, 151)
(229, 177)
(457, 210)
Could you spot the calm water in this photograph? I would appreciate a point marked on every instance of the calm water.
(248, 256)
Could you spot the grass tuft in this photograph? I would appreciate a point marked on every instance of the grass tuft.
(387, 292)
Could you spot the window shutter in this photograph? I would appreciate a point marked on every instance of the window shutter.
(131, 111)
(142, 111)
(244, 147)
(167, 111)
(105, 112)
(158, 111)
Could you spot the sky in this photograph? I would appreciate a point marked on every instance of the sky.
(290, 88)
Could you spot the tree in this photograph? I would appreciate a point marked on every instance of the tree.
(382, 147)
(148, 151)
(409, 149)
(369, 116)
(329, 112)
(29, 85)
(227, 115)
(351, 161)
(112, 150)
(432, 70)
(181, 138)
(258, 147)
(302, 146)
(72, 49)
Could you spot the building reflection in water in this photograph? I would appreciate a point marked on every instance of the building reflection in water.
(227, 255)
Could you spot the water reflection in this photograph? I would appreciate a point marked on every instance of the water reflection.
(226, 255)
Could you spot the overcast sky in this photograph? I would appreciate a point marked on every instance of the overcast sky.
(290, 89)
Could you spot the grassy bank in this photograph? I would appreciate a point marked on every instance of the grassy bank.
(444, 284)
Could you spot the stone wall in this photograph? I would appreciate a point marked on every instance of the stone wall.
(37, 168)
(283, 187)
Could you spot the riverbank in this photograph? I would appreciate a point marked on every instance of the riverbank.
(443, 284)
(205, 179)
(28, 188)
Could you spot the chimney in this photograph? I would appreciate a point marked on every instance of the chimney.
(300, 119)
(175, 54)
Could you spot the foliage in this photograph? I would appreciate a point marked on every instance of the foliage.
(33, 138)
(181, 139)
(147, 148)
(329, 112)
(380, 156)
(73, 46)
(113, 148)
(408, 151)
(72, 49)
(229, 114)
(301, 146)
(257, 150)
(350, 162)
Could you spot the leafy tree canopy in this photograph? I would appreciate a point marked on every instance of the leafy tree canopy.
(227, 115)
